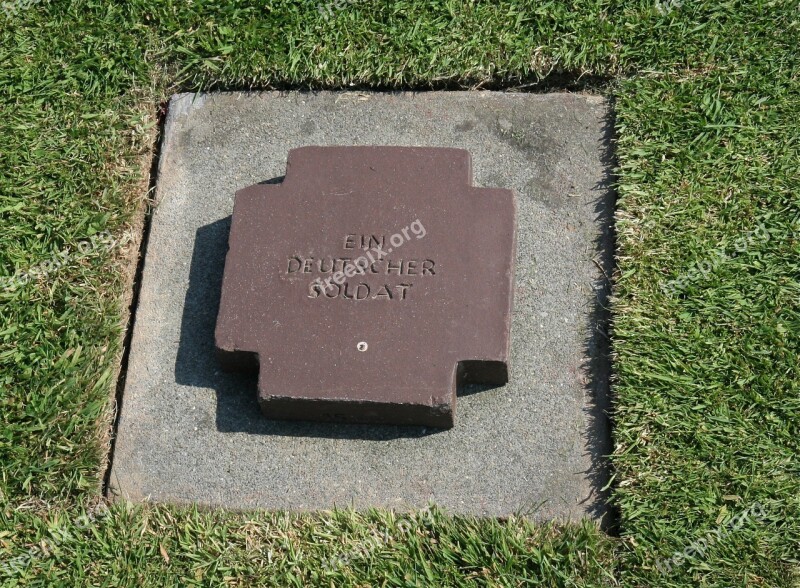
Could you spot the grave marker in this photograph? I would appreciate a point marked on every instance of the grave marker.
(368, 284)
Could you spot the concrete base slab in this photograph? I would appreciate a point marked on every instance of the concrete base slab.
(190, 433)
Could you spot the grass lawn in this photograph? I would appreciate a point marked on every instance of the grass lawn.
(706, 330)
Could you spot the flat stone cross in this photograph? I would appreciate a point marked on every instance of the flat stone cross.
(368, 284)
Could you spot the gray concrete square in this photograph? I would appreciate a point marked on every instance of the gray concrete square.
(190, 433)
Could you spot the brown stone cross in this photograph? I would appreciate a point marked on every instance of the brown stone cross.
(368, 284)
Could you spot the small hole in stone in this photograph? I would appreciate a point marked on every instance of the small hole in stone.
(362, 346)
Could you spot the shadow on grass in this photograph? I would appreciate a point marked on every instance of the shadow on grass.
(597, 366)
